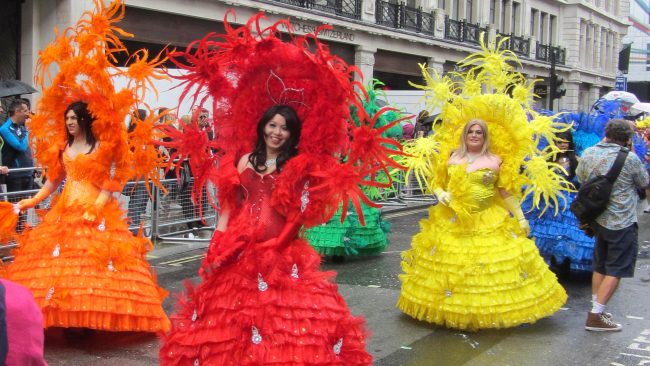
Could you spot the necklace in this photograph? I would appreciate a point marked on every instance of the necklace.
(471, 159)
(269, 162)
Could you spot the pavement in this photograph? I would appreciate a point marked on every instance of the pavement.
(371, 287)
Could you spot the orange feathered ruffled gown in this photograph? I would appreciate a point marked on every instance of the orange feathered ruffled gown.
(88, 274)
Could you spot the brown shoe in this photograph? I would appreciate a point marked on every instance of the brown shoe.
(601, 323)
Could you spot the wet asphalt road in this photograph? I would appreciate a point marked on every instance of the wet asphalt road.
(371, 288)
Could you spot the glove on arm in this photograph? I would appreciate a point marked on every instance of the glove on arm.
(512, 204)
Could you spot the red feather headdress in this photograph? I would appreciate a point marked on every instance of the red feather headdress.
(250, 68)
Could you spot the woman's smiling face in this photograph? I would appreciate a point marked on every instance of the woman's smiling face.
(276, 132)
(475, 138)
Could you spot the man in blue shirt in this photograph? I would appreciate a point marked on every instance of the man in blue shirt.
(16, 152)
(616, 229)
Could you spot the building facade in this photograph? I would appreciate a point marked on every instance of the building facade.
(387, 39)
(638, 37)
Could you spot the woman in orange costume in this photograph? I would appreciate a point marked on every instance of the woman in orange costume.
(83, 266)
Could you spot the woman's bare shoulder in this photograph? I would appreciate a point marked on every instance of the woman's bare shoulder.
(243, 161)
(454, 158)
(494, 158)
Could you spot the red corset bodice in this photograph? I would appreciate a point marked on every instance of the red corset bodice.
(257, 189)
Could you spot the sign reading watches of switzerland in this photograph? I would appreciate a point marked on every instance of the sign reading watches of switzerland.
(333, 34)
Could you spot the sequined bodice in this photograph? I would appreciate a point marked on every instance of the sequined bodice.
(78, 188)
(479, 184)
(256, 206)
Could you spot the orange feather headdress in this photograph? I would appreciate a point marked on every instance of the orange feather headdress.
(85, 56)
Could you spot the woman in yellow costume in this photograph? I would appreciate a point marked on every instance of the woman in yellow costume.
(472, 265)
(81, 263)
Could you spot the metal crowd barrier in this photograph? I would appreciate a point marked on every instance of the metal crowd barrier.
(169, 216)
(164, 216)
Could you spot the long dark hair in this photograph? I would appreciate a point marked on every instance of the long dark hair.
(570, 153)
(85, 121)
(257, 158)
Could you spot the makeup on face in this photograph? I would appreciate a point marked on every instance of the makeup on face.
(276, 132)
(72, 123)
(475, 136)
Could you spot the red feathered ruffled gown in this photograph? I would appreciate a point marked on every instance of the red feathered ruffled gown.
(85, 274)
(264, 306)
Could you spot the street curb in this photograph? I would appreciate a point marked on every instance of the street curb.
(185, 245)
(408, 207)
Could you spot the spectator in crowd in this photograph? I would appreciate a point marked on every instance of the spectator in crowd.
(420, 127)
(190, 210)
(16, 152)
(616, 229)
(4, 170)
(136, 191)
(170, 174)
(408, 131)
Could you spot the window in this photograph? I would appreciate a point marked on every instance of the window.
(647, 60)
(468, 11)
(504, 6)
(542, 21)
(442, 4)
(493, 11)
(456, 9)
(552, 30)
(515, 18)
(533, 22)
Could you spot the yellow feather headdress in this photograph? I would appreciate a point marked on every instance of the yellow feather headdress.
(490, 89)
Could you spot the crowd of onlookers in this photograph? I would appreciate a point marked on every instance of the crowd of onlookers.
(17, 172)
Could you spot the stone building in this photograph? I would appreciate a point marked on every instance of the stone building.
(386, 39)
(638, 39)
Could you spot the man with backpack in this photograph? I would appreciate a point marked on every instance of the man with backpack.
(616, 229)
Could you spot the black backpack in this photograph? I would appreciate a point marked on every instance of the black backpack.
(593, 195)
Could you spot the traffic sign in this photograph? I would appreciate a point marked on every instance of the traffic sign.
(621, 83)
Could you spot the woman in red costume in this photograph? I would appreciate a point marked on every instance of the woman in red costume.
(282, 120)
(81, 263)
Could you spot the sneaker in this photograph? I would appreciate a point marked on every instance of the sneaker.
(647, 210)
(601, 323)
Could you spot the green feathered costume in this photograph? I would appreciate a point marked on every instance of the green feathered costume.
(350, 238)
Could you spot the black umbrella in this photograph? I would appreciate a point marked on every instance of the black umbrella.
(10, 88)
(429, 120)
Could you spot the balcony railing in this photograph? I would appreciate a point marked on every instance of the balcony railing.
(400, 16)
(387, 14)
(560, 54)
(461, 31)
(344, 8)
(416, 20)
(404, 17)
(518, 45)
(544, 52)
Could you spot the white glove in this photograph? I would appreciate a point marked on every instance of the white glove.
(443, 196)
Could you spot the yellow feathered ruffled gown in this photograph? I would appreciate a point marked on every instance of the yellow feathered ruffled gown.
(470, 269)
(88, 274)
